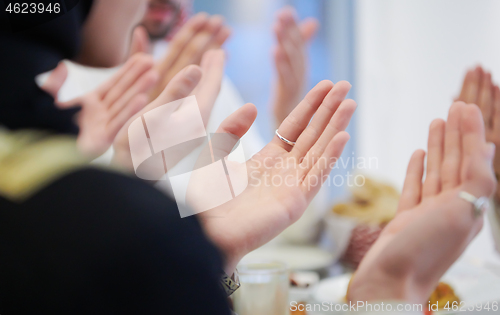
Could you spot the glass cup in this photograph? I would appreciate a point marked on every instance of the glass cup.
(264, 289)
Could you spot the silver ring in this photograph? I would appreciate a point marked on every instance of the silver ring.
(285, 140)
(481, 204)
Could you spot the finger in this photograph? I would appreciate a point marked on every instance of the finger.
(181, 86)
(435, 149)
(290, 42)
(140, 41)
(465, 87)
(338, 123)
(239, 122)
(308, 28)
(322, 168)
(299, 118)
(287, 19)
(199, 44)
(321, 119)
(136, 104)
(180, 40)
(235, 125)
(450, 171)
(142, 85)
(496, 111)
(55, 80)
(476, 174)
(284, 68)
(220, 37)
(104, 88)
(485, 99)
(472, 91)
(412, 188)
(143, 64)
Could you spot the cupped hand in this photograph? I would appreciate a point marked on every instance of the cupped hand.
(200, 34)
(478, 88)
(203, 82)
(282, 180)
(290, 58)
(105, 110)
(433, 226)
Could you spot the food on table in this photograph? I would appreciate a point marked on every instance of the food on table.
(443, 295)
(297, 312)
(303, 279)
(372, 206)
(372, 203)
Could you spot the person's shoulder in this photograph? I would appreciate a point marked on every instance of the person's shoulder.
(100, 202)
(105, 194)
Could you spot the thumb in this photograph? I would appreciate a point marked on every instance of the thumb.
(55, 80)
(140, 41)
(308, 28)
(239, 122)
(230, 131)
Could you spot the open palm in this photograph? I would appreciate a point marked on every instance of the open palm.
(282, 180)
(106, 109)
(433, 225)
(203, 82)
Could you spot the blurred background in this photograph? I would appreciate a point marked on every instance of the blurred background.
(250, 65)
(405, 59)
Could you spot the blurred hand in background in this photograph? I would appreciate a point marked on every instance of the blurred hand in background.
(204, 82)
(478, 88)
(106, 110)
(200, 34)
(290, 58)
(433, 225)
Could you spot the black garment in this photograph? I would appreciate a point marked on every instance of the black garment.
(91, 242)
(31, 44)
(101, 243)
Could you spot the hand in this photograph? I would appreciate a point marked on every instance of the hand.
(265, 207)
(478, 89)
(204, 83)
(200, 34)
(290, 57)
(433, 225)
(106, 109)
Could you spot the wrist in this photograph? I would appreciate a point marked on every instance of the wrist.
(232, 260)
(122, 159)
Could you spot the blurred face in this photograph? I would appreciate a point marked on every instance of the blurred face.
(161, 17)
(108, 30)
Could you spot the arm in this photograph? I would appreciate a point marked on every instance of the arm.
(433, 225)
(290, 59)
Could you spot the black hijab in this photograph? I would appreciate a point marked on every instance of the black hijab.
(30, 44)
